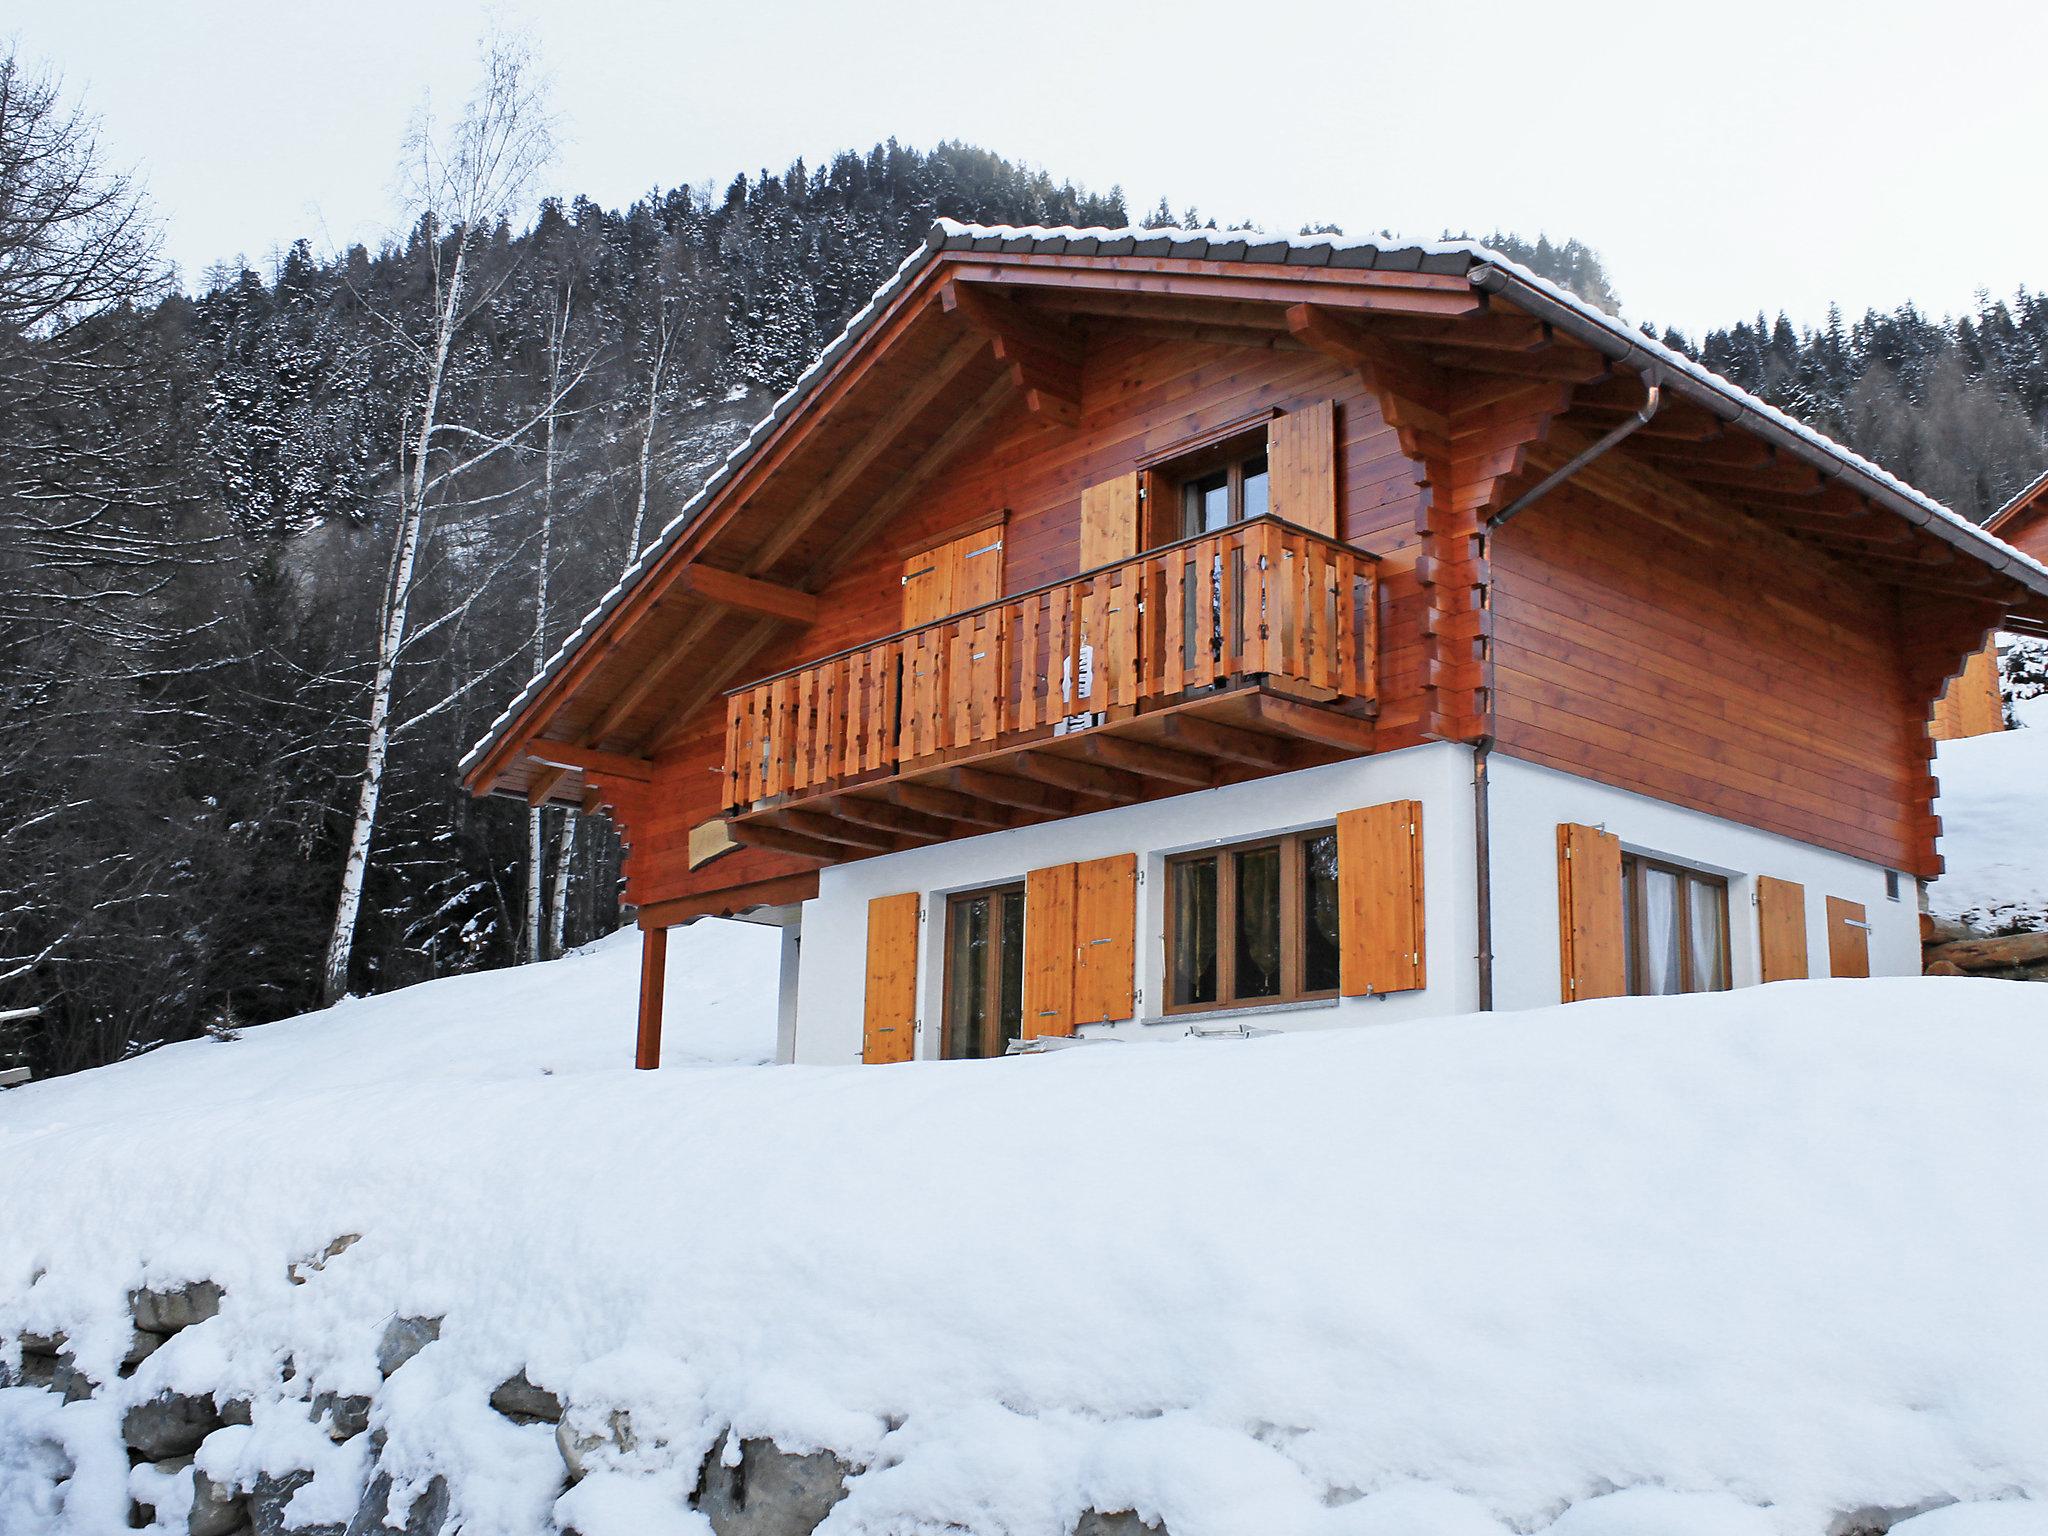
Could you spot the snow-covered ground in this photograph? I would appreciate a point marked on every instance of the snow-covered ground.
(1994, 825)
(1719, 1266)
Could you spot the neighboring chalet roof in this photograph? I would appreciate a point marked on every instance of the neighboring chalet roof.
(2027, 507)
(1487, 270)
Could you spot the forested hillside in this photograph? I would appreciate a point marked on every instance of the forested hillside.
(205, 497)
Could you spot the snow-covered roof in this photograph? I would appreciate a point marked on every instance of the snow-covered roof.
(1487, 268)
(2012, 509)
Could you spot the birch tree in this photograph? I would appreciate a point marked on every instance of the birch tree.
(460, 182)
(536, 840)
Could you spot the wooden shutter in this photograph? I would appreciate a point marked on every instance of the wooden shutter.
(1105, 938)
(1301, 464)
(1589, 926)
(1848, 938)
(978, 568)
(1379, 898)
(1049, 951)
(889, 1031)
(1781, 928)
(1109, 521)
(959, 574)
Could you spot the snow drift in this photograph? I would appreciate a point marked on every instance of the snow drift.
(1745, 1263)
(1994, 825)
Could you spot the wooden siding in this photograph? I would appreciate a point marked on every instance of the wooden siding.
(1714, 663)
(1972, 704)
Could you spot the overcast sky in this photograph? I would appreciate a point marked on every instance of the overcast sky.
(1722, 158)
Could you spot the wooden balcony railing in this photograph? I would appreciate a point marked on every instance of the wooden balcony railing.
(1261, 600)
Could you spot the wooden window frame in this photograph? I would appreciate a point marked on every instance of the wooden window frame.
(1636, 960)
(992, 966)
(1170, 481)
(1293, 917)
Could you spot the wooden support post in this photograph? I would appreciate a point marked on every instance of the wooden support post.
(653, 973)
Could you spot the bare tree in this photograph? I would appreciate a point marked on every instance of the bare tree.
(460, 183)
(74, 237)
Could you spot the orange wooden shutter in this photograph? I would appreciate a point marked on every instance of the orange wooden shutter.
(1781, 928)
(1379, 898)
(1589, 913)
(1105, 937)
(1848, 938)
(1109, 521)
(978, 569)
(959, 574)
(889, 1030)
(1301, 464)
(1049, 951)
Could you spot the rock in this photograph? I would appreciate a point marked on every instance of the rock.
(300, 1270)
(237, 1410)
(140, 1347)
(170, 1424)
(428, 1514)
(1991, 954)
(403, 1338)
(68, 1379)
(271, 1496)
(167, 1311)
(216, 1511)
(347, 1415)
(34, 1371)
(772, 1492)
(48, 1345)
(1121, 1522)
(520, 1400)
(578, 1446)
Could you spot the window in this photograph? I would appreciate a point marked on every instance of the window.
(1253, 924)
(1891, 885)
(1674, 928)
(984, 972)
(1229, 492)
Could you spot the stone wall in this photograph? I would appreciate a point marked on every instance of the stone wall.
(752, 1488)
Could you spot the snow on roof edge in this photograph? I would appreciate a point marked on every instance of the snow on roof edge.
(1362, 252)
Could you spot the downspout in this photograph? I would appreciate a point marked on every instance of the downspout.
(1653, 398)
(1482, 749)
(1482, 841)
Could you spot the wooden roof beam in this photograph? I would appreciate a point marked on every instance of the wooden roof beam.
(759, 834)
(1412, 394)
(1044, 357)
(1501, 332)
(1082, 778)
(949, 804)
(747, 594)
(608, 765)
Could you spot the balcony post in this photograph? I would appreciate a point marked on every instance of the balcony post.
(653, 975)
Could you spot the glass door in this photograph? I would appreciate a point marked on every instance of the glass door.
(984, 972)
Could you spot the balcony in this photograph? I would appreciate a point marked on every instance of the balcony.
(1221, 657)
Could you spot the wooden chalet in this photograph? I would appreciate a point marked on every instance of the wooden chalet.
(1974, 703)
(1124, 633)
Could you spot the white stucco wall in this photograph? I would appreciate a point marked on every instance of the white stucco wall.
(833, 965)
(1527, 803)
